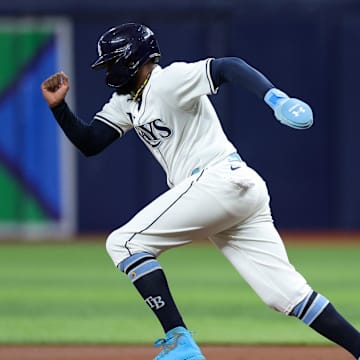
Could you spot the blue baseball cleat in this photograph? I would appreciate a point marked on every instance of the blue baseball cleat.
(178, 345)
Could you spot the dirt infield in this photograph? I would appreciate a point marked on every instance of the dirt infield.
(147, 353)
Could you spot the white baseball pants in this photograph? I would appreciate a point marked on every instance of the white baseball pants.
(229, 204)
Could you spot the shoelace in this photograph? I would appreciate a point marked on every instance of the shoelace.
(160, 342)
(167, 344)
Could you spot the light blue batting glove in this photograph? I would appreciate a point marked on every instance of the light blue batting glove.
(289, 111)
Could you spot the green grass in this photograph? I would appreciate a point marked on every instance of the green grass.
(71, 293)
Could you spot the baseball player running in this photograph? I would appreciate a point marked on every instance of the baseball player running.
(213, 193)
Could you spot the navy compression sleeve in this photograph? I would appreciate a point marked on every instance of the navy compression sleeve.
(90, 138)
(232, 69)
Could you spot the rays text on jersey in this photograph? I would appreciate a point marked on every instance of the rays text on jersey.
(154, 132)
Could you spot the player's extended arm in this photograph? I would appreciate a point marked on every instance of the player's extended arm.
(289, 111)
(90, 138)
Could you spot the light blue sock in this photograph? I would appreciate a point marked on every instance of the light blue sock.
(317, 312)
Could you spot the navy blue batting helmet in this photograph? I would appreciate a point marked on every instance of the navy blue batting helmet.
(123, 50)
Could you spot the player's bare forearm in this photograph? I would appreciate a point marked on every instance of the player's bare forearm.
(55, 88)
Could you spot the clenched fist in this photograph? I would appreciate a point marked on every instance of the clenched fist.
(55, 88)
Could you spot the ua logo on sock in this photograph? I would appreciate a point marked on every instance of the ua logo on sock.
(155, 302)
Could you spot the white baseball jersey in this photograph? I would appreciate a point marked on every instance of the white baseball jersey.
(226, 202)
(175, 119)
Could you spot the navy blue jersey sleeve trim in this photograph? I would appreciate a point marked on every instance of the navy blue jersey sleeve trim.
(109, 123)
(209, 77)
(233, 69)
(90, 138)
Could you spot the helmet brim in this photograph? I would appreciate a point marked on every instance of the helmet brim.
(101, 62)
(98, 64)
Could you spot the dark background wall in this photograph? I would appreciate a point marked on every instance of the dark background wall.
(308, 48)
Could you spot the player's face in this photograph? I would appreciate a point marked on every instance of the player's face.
(119, 76)
(127, 88)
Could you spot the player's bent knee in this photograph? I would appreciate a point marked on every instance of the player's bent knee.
(115, 247)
